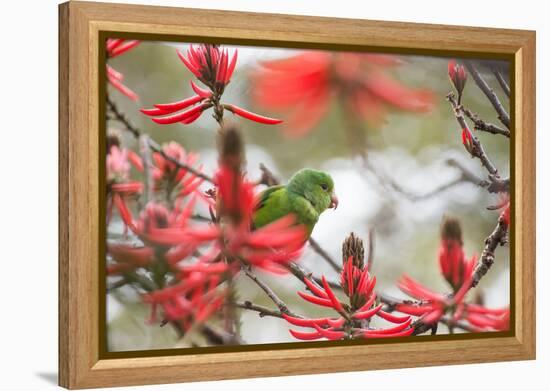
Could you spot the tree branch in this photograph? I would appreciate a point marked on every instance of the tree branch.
(387, 182)
(319, 250)
(269, 292)
(370, 253)
(494, 185)
(489, 93)
(483, 126)
(497, 237)
(503, 84)
(262, 311)
(477, 150)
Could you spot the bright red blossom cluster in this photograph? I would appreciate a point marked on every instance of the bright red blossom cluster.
(190, 302)
(211, 65)
(169, 176)
(353, 317)
(304, 86)
(458, 271)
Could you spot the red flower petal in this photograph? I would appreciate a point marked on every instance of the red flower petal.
(252, 116)
(373, 334)
(120, 49)
(368, 313)
(194, 70)
(182, 104)
(315, 289)
(316, 300)
(332, 297)
(122, 88)
(392, 318)
(171, 119)
(305, 336)
(330, 334)
(200, 91)
(395, 329)
(231, 67)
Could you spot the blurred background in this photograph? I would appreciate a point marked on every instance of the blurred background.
(407, 147)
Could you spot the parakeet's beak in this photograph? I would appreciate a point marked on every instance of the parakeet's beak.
(333, 201)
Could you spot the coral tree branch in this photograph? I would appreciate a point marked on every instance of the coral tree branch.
(497, 237)
(489, 93)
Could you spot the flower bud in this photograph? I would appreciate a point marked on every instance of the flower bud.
(451, 253)
(231, 148)
(353, 247)
(458, 77)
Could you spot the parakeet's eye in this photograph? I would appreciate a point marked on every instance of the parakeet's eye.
(324, 186)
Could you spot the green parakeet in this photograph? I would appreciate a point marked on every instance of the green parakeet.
(308, 194)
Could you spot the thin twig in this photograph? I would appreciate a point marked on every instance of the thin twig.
(301, 274)
(421, 327)
(390, 184)
(145, 153)
(495, 184)
(262, 311)
(269, 292)
(370, 253)
(503, 84)
(483, 126)
(489, 93)
(117, 284)
(220, 337)
(319, 250)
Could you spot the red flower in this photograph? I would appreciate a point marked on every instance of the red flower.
(452, 262)
(486, 319)
(116, 47)
(129, 258)
(193, 300)
(268, 248)
(432, 305)
(158, 226)
(117, 175)
(209, 64)
(118, 169)
(458, 271)
(213, 67)
(169, 177)
(235, 195)
(353, 318)
(305, 84)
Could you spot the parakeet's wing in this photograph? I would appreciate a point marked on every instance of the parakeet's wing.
(277, 202)
(273, 204)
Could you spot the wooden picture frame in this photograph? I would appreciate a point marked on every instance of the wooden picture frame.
(80, 27)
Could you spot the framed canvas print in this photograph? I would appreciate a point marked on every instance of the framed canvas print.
(248, 195)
